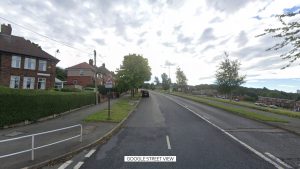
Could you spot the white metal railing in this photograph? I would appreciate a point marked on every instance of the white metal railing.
(33, 143)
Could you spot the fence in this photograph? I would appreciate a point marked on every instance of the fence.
(42, 133)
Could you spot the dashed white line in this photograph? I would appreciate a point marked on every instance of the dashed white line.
(168, 142)
(78, 165)
(90, 153)
(234, 138)
(65, 165)
(278, 160)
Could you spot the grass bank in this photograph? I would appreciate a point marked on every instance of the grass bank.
(119, 111)
(238, 111)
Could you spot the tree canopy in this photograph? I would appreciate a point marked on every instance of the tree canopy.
(181, 79)
(289, 33)
(227, 76)
(166, 81)
(61, 73)
(133, 72)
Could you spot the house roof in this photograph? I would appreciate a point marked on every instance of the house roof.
(103, 70)
(19, 45)
(82, 65)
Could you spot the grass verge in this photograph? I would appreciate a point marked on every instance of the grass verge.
(238, 111)
(119, 111)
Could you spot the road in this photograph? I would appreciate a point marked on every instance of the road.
(195, 142)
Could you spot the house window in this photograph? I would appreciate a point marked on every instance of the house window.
(75, 82)
(14, 82)
(42, 65)
(29, 63)
(28, 83)
(16, 62)
(81, 72)
(41, 83)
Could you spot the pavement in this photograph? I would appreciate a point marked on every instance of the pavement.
(91, 133)
(198, 135)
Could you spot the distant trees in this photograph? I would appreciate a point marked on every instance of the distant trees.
(227, 76)
(61, 73)
(289, 33)
(166, 81)
(133, 72)
(156, 80)
(181, 79)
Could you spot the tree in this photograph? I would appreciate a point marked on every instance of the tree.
(156, 80)
(133, 72)
(181, 79)
(61, 73)
(228, 77)
(166, 81)
(289, 32)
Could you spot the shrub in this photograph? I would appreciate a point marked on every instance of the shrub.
(20, 105)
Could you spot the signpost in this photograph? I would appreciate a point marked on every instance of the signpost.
(109, 85)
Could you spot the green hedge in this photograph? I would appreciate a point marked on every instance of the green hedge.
(20, 105)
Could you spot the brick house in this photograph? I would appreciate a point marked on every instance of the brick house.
(23, 64)
(285, 103)
(83, 74)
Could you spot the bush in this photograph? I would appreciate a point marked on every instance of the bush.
(20, 105)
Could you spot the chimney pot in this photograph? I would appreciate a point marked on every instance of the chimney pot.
(91, 62)
(6, 29)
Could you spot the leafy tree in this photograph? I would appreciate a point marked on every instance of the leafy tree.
(289, 33)
(133, 72)
(166, 81)
(181, 79)
(228, 77)
(156, 80)
(61, 73)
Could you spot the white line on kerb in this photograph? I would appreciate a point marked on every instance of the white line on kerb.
(65, 165)
(78, 165)
(234, 138)
(278, 160)
(90, 153)
(168, 142)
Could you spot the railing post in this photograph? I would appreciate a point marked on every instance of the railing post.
(32, 148)
(80, 133)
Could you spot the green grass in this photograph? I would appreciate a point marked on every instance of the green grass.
(279, 111)
(238, 111)
(119, 111)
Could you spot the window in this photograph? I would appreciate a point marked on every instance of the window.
(28, 83)
(42, 65)
(29, 63)
(14, 82)
(81, 72)
(42, 83)
(16, 62)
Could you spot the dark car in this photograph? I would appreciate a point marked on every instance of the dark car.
(145, 93)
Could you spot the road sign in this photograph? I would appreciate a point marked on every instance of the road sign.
(109, 83)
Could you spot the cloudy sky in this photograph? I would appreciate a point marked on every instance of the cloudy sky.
(190, 34)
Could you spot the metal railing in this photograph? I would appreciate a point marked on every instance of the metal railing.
(42, 133)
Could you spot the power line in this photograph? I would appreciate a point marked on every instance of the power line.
(47, 37)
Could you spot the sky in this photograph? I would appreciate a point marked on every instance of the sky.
(192, 35)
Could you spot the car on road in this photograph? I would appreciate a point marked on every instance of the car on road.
(145, 93)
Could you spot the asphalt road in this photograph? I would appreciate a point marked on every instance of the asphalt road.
(195, 142)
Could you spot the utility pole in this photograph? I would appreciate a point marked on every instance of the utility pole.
(95, 66)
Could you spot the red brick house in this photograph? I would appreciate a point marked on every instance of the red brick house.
(83, 74)
(23, 64)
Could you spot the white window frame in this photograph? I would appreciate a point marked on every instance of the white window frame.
(81, 72)
(14, 82)
(41, 80)
(31, 81)
(44, 64)
(30, 63)
(16, 61)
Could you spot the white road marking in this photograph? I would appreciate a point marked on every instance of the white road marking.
(78, 165)
(168, 142)
(65, 165)
(234, 138)
(278, 160)
(90, 153)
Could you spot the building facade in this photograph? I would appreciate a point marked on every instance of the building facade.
(23, 64)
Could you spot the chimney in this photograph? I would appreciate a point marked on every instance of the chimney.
(103, 64)
(6, 29)
(91, 62)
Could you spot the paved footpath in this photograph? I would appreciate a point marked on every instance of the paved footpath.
(91, 132)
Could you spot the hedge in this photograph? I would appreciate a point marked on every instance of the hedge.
(20, 105)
